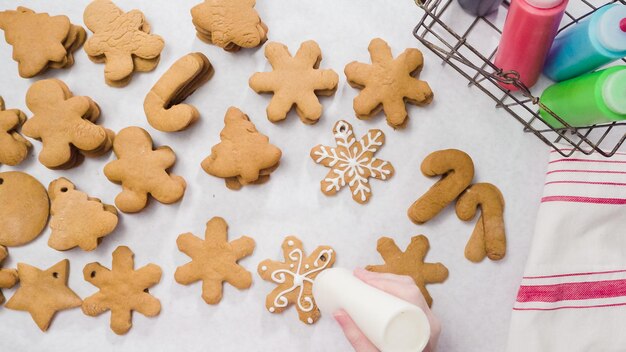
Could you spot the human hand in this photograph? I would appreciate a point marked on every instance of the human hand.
(402, 287)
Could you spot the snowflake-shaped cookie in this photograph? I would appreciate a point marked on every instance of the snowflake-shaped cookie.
(410, 263)
(122, 290)
(214, 260)
(295, 81)
(388, 83)
(295, 278)
(352, 162)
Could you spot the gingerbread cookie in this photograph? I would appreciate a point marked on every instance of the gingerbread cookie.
(244, 156)
(295, 277)
(76, 218)
(118, 38)
(40, 41)
(24, 208)
(8, 277)
(488, 238)
(295, 81)
(229, 24)
(13, 147)
(122, 290)
(457, 171)
(214, 260)
(352, 162)
(388, 83)
(65, 124)
(142, 170)
(410, 263)
(163, 106)
(43, 293)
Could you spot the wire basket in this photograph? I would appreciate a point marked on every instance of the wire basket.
(466, 52)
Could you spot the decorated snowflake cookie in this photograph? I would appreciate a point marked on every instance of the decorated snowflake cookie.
(352, 162)
(295, 278)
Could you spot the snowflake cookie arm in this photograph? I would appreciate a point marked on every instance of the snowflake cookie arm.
(358, 74)
(380, 51)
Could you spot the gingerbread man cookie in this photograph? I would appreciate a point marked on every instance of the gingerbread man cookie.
(8, 277)
(294, 277)
(64, 124)
(24, 208)
(119, 37)
(388, 83)
(142, 170)
(122, 290)
(229, 24)
(214, 260)
(488, 238)
(457, 171)
(163, 106)
(352, 162)
(410, 263)
(40, 41)
(43, 293)
(295, 81)
(244, 156)
(13, 147)
(77, 219)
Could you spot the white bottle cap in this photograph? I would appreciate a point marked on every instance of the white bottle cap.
(614, 92)
(610, 32)
(544, 4)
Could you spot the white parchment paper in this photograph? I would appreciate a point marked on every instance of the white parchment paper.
(474, 304)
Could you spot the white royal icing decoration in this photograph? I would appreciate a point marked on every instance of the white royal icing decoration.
(305, 304)
(309, 320)
(272, 309)
(263, 268)
(290, 242)
(354, 164)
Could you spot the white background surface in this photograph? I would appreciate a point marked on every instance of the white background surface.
(474, 304)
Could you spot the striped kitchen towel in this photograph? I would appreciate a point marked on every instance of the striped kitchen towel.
(573, 295)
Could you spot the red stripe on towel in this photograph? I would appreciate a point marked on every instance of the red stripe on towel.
(587, 161)
(575, 307)
(572, 291)
(577, 199)
(588, 171)
(570, 149)
(586, 183)
(575, 274)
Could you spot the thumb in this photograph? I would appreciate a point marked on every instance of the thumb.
(353, 334)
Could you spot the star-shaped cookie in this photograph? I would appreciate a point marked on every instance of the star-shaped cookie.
(388, 83)
(214, 260)
(352, 162)
(42, 293)
(122, 290)
(294, 277)
(410, 263)
(13, 147)
(295, 81)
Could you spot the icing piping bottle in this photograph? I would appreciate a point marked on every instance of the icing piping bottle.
(480, 7)
(598, 97)
(528, 32)
(592, 43)
(390, 323)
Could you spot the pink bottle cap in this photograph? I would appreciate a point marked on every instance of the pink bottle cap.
(612, 28)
